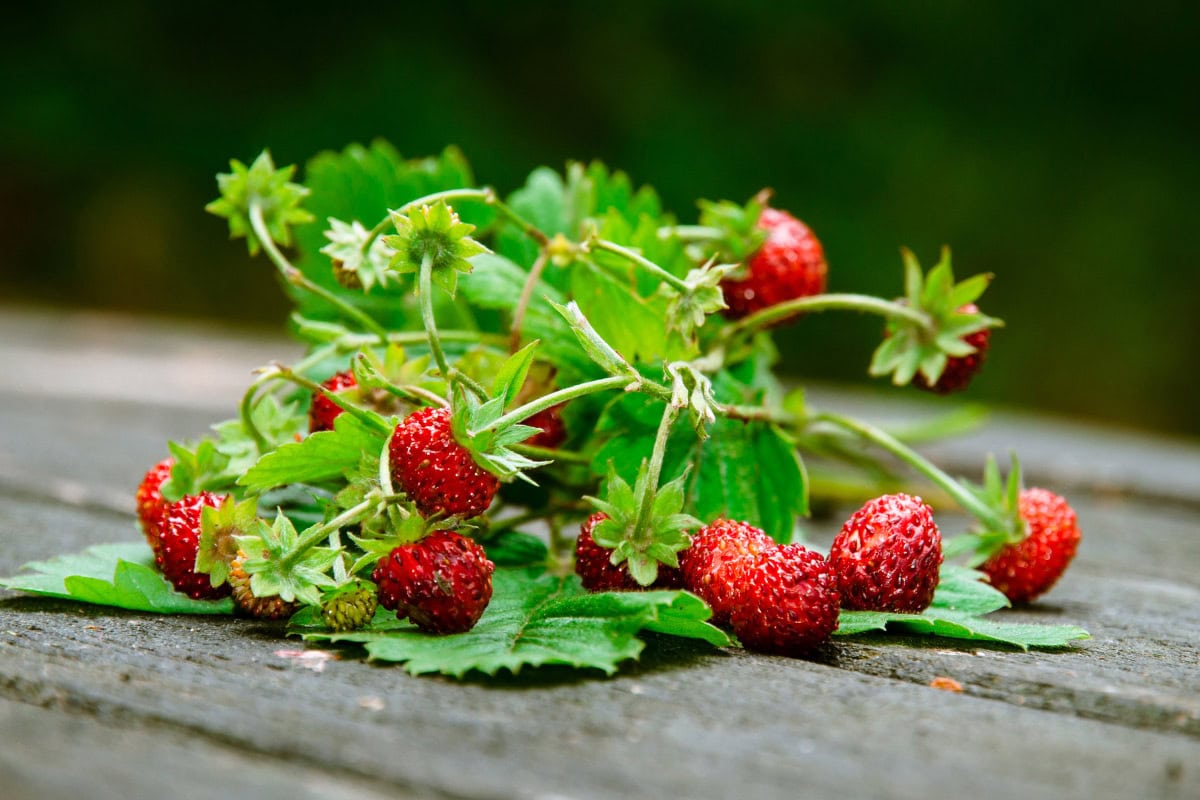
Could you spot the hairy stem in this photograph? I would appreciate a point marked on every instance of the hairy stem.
(297, 278)
(318, 532)
(972, 504)
(641, 261)
(827, 302)
(367, 418)
(690, 233)
(561, 396)
(518, 319)
(654, 471)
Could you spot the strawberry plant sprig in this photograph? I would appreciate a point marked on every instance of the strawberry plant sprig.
(544, 351)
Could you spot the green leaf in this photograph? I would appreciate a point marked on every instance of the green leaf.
(511, 376)
(966, 591)
(120, 575)
(516, 549)
(631, 324)
(953, 625)
(318, 457)
(535, 620)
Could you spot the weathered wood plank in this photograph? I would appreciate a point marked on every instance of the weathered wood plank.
(683, 723)
(50, 754)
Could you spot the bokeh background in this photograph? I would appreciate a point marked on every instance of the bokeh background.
(1054, 144)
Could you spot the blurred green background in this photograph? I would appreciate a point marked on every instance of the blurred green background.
(1054, 144)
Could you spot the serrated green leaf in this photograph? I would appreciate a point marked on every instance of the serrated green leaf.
(535, 620)
(119, 575)
(966, 591)
(318, 457)
(631, 324)
(953, 625)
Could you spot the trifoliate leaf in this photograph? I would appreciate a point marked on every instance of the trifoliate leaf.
(269, 189)
(318, 457)
(119, 575)
(536, 620)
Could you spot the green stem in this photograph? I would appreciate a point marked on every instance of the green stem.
(425, 288)
(828, 302)
(297, 278)
(690, 233)
(354, 341)
(246, 412)
(486, 194)
(415, 393)
(650, 487)
(518, 319)
(561, 396)
(641, 261)
(550, 454)
(972, 504)
(319, 532)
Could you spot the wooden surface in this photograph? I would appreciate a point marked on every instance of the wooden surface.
(98, 703)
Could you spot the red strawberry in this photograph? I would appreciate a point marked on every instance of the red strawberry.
(179, 538)
(324, 411)
(787, 601)
(1027, 569)
(434, 470)
(789, 264)
(150, 502)
(553, 434)
(887, 555)
(960, 369)
(713, 564)
(599, 574)
(442, 582)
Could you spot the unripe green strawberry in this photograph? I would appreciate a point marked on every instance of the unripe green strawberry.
(349, 611)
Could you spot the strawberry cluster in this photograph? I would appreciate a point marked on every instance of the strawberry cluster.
(611, 358)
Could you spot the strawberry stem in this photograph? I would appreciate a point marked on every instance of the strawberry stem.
(990, 518)
(640, 260)
(487, 195)
(829, 302)
(691, 233)
(297, 278)
(561, 396)
(518, 318)
(321, 531)
(650, 488)
(425, 290)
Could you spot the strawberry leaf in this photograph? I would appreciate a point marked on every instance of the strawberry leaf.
(119, 575)
(535, 620)
(318, 457)
(959, 604)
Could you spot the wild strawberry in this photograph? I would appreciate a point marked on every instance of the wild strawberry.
(960, 369)
(324, 411)
(599, 574)
(179, 539)
(789, 264)
(712, 566)
(442, 582)
(786, 602)
(435, 471)
(272, 607)
(887, 555)
(150, 502)
(350, 610)
(1028, 568)
(553, 434)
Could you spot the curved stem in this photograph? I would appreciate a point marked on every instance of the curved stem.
(425, 288)
(972, 504)
(641, 261)
(319, 532)
(690, 233)
(650, 487)
(828, 302)
(487, 195)
(561, 396)
(518, 319)
(246, 412)
(297, 278)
